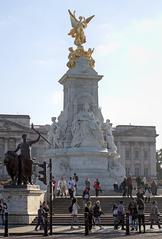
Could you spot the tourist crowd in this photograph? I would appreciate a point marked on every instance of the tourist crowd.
(64, 188)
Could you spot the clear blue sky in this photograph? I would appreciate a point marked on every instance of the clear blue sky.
(126, 35)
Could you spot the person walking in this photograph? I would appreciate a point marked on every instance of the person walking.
(133, 214)
(3, 210)
(115, 216)
(97, 212)
(121, 214)
(147, 193)
(40, 221)
(74, 213)
(85, 196)
(154, 215)
(71, 185)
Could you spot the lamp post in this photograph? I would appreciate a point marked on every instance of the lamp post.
(50, 199)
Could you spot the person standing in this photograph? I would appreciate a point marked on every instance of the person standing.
(45, 207)
(147, 193)
(129, 186)
(124, 187)
(140, 194)
(87, 184)
(97, 187)
(63, 187)
(88, 215)
(154, 188)
(76, 179)
(53, 186)
(141, 214)
(154, 215)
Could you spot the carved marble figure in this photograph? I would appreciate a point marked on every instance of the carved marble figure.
(54, 133)
(109, 137)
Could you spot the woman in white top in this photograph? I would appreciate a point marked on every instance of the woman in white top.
(74, 213)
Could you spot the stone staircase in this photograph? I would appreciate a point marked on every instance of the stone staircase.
(61, 215)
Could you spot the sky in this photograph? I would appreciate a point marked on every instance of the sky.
(126, 35)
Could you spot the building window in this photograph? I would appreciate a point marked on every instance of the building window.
(1, 150)
(146, 172)
(11, 144)
(127, 154)
(145, 155)
(127, 171)
(136, 155)
(137, 172)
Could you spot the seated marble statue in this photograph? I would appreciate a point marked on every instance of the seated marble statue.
(85, 130)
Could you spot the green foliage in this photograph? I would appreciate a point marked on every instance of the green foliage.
(159, 163)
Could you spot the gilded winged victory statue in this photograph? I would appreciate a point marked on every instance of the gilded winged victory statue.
(77, 32)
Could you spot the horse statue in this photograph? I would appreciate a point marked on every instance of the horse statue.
(19, 172)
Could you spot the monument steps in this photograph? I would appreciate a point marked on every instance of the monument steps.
(62, 217)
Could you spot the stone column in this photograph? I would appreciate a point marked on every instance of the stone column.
(5, 144)
(132, 158)
(153, 159)
(142, 159)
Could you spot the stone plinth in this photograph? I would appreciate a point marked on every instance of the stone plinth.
(23, 202)
(86, 162)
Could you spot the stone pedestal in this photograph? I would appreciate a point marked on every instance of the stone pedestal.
(23, 202)
(86, 162)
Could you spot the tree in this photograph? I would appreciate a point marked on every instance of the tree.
(159, 163)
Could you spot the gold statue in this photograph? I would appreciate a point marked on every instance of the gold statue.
(77, 32)
(78, 26)
(75, 54)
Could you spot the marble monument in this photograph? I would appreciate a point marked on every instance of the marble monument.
(81, 142)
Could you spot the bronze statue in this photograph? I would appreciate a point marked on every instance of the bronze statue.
(25, 157)
(19, 167)
(11, 162)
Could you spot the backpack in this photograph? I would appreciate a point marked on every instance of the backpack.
(120, 209)
(76, 178)
(141, 206)
(70, 209)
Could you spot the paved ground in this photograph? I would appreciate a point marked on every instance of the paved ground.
(65, 232)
